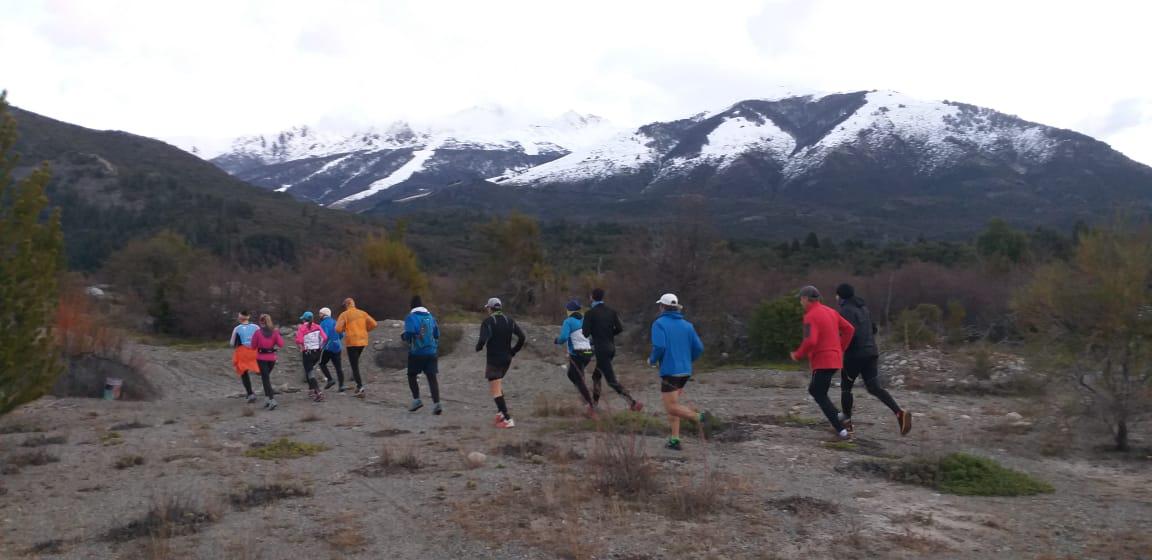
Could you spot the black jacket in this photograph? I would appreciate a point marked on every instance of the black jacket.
(496, 332)
(863, 343)
(601, 325)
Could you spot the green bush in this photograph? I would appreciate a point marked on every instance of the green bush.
(919, 327)
(969, 475)
(776, 328)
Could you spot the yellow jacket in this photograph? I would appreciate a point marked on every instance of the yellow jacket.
(354, 324)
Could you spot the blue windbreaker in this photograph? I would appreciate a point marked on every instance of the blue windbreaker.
(421, 333)
(570, 325)
(335, 339)
(675, 344)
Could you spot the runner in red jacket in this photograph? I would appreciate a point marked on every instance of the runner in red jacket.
(826, 336)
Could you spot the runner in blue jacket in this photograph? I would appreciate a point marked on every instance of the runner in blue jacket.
(332, 349)
(579, 352)
(423, 337)
(675, 346)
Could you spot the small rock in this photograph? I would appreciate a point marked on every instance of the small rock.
(537, 459)
(1014, 416)
(476, 459)
(965, 417)
(1022, 424)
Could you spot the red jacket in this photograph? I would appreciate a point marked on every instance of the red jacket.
(826, 336)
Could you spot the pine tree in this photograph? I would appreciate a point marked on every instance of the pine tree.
(31, 246)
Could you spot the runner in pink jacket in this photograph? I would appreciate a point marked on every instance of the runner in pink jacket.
(267, 341)
(310, 339)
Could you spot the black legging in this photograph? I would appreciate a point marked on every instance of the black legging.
(354, 361)
(265, 376)
(310, 357)
(333, 357)
(247, 382)
(866, 368)
(604, 368)
(428, 366)
(576, 365)
(818, 388)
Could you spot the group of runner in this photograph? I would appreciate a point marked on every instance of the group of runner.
(834, 342)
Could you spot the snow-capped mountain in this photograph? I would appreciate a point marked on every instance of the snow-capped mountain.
(406, 159)
(868, 157)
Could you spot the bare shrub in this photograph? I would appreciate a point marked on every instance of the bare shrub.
(261, 495)
(31, 459)
(804, 506)
(621, 466)
(695, 496)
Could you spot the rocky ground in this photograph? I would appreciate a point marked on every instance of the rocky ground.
(81, 476)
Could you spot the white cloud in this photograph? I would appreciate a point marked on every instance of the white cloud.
(217, 69)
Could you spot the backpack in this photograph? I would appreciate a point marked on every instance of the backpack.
(580, 343)
(425, 338)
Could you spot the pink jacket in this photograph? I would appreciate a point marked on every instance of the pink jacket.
(309, 336)
(266, 345)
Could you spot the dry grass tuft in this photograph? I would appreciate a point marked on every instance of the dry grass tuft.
(621, 466)
(551, 406)
(19, 428)
(390, 463)
(284, 448)
(805, 507)
(42, 440)
(171, 515)
(311, 416)
(133, 425)
(128, 461)
(30, 459)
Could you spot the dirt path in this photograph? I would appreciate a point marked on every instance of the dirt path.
(779, 491)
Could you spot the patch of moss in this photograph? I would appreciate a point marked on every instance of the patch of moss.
(625, 422)
(285, 448)
(957, 473)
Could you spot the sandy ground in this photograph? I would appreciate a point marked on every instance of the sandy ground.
(776, 491)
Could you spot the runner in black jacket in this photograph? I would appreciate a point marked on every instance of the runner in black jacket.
(861, 360)
(601, 325)
(496, 333)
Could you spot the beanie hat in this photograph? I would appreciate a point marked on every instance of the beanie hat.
(845, 291)
(325, 312)
(572, 306)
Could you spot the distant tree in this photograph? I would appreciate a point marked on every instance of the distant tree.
(1090, 318)
(775, 329)
(515, 257)
(31, 258)
(155, 271)
(390, 259)
(1002, 245)
(812, 241)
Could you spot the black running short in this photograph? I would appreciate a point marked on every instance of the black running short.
(673, 384)
(427, 365)
(496, 371)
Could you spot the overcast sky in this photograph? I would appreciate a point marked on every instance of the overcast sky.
(205, 71)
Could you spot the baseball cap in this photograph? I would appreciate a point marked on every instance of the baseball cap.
(325, 312)
(670, 300)
(307, 316)
(810, 292)
(493, 303)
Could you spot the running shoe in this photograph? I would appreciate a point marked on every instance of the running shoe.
(268, 403)
(319, 397)
(636, 406)
(847, 422)
(272, 404)
(437, 409)
(499, 418)
(905, 419)
(359, 393)
(251, 399)
(590, 411)
(312, 394)
(330, 384)
(840, 437)
(416, 405)
(673, 444)
(507, 423)
(341, 389)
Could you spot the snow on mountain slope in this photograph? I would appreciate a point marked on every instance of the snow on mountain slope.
(799, 133)
(405, 172)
